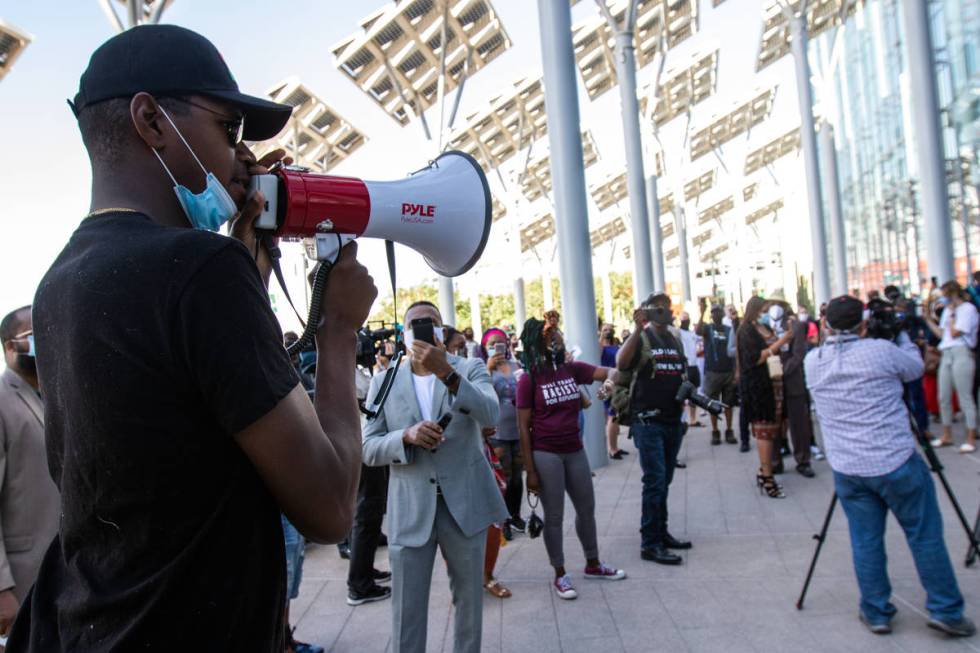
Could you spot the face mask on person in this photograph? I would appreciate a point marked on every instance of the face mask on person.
(208, 209)
(804, 316)
(26, 360)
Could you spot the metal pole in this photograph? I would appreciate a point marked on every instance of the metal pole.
(680, 226)
(571, 212)
(928, 140)
(520, 307)
(818, 238)
(447, 300)
(837, 233)
(643, 282)
(656, 236)
(964, 211)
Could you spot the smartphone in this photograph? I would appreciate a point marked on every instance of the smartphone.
(422, 329)
(443, 423)
(500, 349)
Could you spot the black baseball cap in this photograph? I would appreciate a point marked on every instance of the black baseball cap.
(166, 60)
(844, 313)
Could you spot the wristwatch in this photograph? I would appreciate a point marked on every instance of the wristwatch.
(450, 379)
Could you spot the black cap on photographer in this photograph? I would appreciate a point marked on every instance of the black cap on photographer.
(166, 60)
(844, 313)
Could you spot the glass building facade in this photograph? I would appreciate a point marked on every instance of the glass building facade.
(871, 103)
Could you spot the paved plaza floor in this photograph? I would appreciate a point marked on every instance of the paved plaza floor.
(736, 590)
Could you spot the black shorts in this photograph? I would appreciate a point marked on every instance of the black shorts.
(720, 385)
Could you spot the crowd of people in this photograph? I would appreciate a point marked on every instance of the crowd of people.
(165, 458)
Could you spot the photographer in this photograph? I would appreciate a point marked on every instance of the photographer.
(856, 385)
(178, 428)
(657, 362)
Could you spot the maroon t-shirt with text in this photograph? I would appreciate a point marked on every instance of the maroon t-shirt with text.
(554, 400)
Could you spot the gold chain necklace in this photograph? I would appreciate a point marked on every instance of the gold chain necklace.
(111, 210)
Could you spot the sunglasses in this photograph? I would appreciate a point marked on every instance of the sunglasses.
(234, 127)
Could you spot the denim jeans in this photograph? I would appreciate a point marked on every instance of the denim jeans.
(658, 444)
(295, 552)
(910, 494)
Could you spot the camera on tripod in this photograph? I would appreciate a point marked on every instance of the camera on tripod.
(689, 392)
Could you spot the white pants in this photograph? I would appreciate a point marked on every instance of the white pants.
(956, 371)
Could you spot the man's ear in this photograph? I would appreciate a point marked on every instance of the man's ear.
(147, 119)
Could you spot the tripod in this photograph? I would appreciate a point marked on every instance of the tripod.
(971, 555)
(937, 467)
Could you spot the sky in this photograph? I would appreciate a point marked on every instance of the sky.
(45, 177)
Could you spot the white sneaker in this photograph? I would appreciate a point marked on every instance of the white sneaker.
(817, 454)
(939, 442)
(564, 589)
(966, 447)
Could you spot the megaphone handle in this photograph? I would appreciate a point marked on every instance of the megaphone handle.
(328, 246)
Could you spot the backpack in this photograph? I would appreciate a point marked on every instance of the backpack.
(622, 393)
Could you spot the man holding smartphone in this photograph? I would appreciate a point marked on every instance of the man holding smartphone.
(442, 490)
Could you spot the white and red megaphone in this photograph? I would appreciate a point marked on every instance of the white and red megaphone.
(442, 211)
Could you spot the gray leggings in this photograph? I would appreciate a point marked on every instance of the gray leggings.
(560, 473)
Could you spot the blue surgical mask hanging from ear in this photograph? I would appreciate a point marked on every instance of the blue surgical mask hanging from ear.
(30, 346)
(208, 209)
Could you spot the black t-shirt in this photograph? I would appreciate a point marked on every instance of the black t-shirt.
(716, 358)
(659, 392)
(155, 346)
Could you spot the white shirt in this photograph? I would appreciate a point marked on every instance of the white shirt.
(424, 387)
(966, 324)
(689, 340)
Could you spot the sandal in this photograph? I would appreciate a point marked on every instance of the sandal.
(494, 587)
(768, 485)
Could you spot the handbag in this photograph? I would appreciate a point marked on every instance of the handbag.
(534, 523)
(775, 367)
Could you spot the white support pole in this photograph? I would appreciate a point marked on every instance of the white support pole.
(928, 140)
(571, 212)
(680, 228)
(838, 237)
(607, 304)
(656, 236)
(643, 281)
(520, 306)
(808, 138)
(447, 300)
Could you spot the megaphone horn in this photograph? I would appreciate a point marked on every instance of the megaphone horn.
(442, 211)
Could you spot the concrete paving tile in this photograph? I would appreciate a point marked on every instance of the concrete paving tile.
(716, 639)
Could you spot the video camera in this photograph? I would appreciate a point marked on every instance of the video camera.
(367, 344)
(883, 322)
(689, 392)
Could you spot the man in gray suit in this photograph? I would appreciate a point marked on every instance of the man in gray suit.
(442, 490)
(29, 501)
